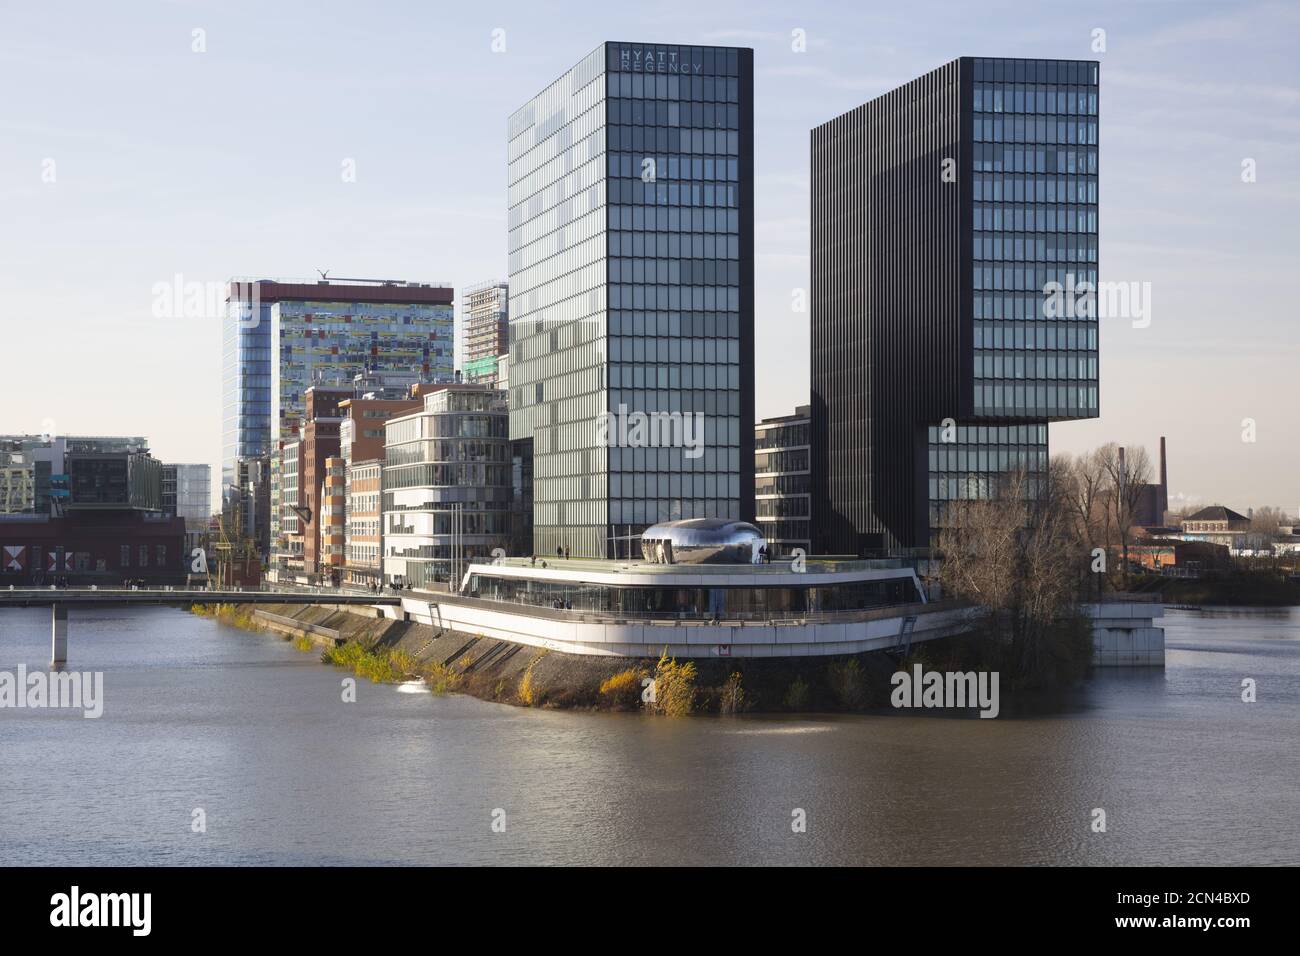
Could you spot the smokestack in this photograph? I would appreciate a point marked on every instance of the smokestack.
(1163, 498)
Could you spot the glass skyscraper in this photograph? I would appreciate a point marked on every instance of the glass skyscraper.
(945, 214)
(631, 291)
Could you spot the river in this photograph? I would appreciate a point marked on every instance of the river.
(201, 716)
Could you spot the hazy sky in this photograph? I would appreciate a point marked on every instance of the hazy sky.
(126, 158)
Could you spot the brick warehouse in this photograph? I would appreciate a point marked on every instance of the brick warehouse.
(106, 548)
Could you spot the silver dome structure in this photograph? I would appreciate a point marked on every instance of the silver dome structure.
(702, 541)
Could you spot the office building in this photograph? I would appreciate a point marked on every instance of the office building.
(944, 212)
(446, 485)
(486, 319)
(631, 293)
(281, 338)
(187, 494)
(781, 482)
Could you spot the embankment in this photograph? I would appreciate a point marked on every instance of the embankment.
(503, 671)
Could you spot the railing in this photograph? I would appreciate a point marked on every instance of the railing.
(589, 615)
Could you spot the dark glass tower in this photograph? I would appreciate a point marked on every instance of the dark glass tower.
(941, 212)
(631, 290)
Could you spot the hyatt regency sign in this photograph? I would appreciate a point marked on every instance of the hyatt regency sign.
(637, 60)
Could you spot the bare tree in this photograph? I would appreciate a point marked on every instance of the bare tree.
(1017, 555)
(1129, 472)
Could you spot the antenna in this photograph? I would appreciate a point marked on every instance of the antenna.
(324, 274)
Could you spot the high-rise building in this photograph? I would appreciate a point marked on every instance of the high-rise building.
(446, 485)
(944, 213)
(486, 319)
(781, 484)
(281, 338)
(187, 494)
(631, 292)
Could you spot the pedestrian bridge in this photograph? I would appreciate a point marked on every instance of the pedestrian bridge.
(60, 599)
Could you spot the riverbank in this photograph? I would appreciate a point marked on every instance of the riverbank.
(489, 669)
(1238, 589)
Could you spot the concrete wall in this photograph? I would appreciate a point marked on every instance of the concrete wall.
(1125, 634)
(573, 635)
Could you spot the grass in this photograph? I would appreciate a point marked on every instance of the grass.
(379, 666)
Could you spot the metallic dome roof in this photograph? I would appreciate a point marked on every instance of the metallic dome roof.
(702, 541)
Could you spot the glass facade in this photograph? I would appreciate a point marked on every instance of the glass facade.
(694, 602)
(245, 389)
(782, 488)
(1034, 274)
(631, 288)
(329, 342)
(446, 485)
(1034, 216)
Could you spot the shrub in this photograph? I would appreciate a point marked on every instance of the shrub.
(674, 687)
(527, 692)
(731, 696)
(623, 690)
(848, 683)
(302, 643)
(798, 695)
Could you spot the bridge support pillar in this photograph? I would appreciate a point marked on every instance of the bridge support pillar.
(59, 639)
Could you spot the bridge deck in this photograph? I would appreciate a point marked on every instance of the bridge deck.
(44, 597)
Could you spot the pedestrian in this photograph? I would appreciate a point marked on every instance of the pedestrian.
(566, 552)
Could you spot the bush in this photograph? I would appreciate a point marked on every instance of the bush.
(302, 643)
(527, 693)
(848, 683)
(623, 690)
(798, 695)
(674, 687)
(731, 696)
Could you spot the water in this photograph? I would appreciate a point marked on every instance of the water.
(199, 715)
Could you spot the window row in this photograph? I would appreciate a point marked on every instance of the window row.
(1025, 306)
(638, 218)
(1037, 400)
(1006, 158)
(674, 297)
(635, 192)
(707, 325)
(1034, 188)
(1022, 98)
(636, 513)
(663, 168)
(675, 271)
(664, 139)
(1027, 278)
(1073, 336)
(671, 245)
(989, 365)
(1055, 247)
(1009, 218)
(673, 114)
(708, 89)
(674, 460)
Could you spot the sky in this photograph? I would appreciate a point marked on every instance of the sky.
(145, 141)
